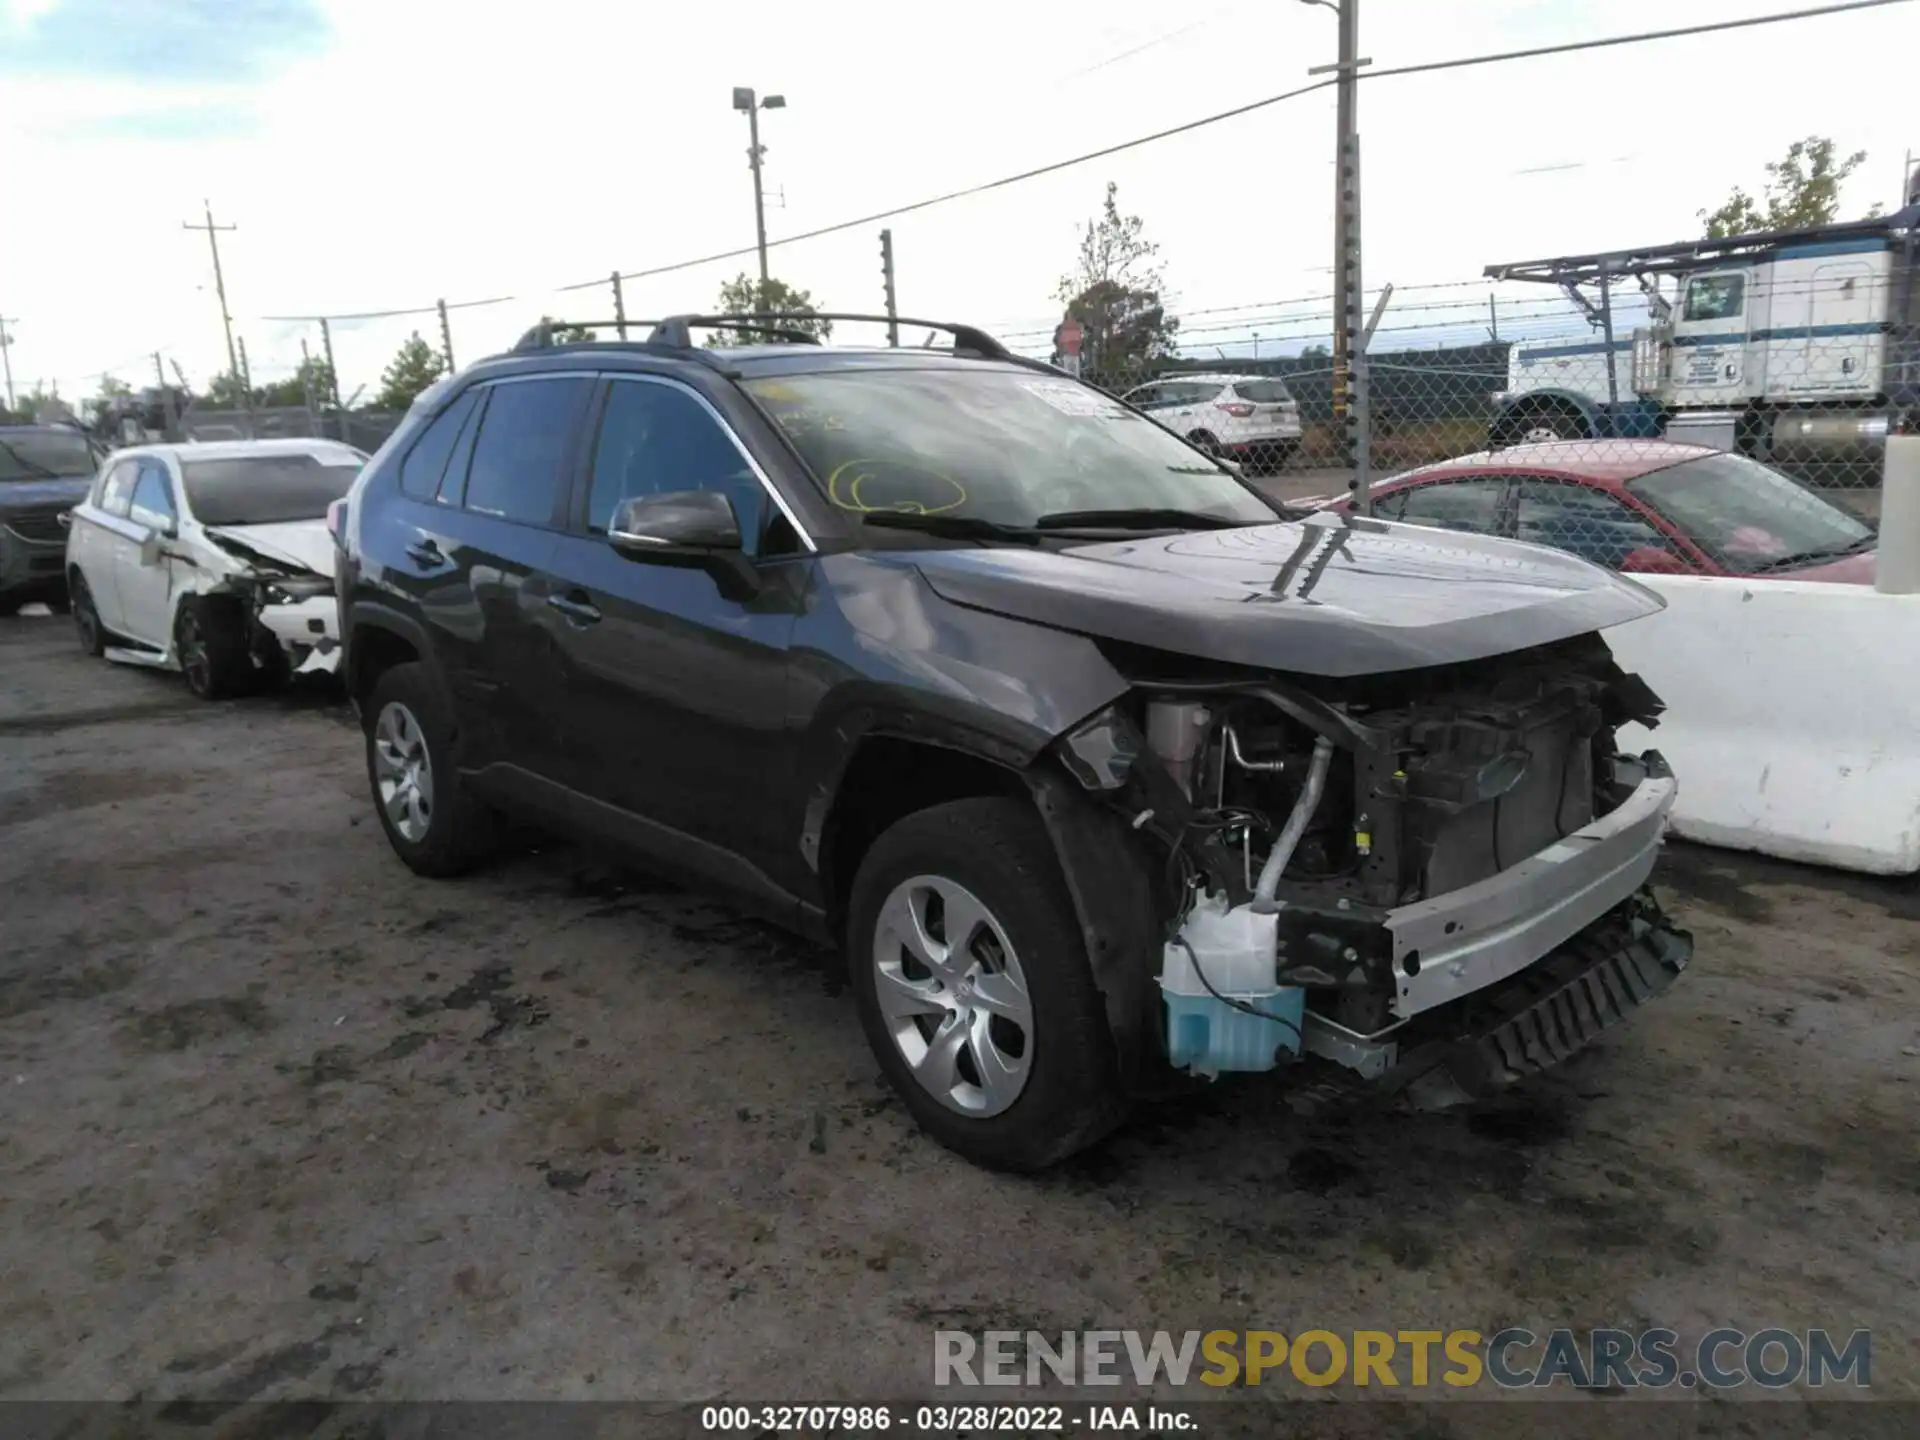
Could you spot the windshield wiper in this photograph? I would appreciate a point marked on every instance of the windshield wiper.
(956, 527)
(1814, 557)
(1140, 519)
(40, 471)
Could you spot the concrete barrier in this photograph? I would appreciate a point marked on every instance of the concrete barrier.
(1793, 716)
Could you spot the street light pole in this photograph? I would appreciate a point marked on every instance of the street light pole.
(745, 99)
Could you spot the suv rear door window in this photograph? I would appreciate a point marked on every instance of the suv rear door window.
(655, 439)
(521, 448)
(1469, 505)
(426, 462)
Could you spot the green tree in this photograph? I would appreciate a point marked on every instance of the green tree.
(112, 388)
(566, 334)
(1113, 292)
(414, 367)
(226, 392)
(744, 295)
(312, 372)
(1802, 191)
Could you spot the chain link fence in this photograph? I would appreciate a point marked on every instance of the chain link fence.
(366, 431)
(1781, 378)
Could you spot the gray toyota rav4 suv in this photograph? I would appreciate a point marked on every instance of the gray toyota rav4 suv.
(1096, 766)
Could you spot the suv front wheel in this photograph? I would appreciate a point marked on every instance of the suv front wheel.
(974, 989)
(434, 825)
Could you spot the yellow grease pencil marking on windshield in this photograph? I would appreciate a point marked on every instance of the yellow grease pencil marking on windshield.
(849, 479)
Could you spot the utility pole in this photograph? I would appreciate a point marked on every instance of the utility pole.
(745, 99)
(1346, 222)
(619, 307)
(886, 279)
(245, 376)
(219, 281)
(168, 421)
(307, 391)
(6, 357)
(446, 335)
(333, 371)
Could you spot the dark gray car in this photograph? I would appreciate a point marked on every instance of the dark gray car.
(44, 472)
(1096, 766)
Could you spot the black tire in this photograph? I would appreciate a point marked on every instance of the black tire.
(86, 617)
(1537, 426)
(1280, 453)
(1204, 440)
(997, 850)
(459, 831)
(210, 644)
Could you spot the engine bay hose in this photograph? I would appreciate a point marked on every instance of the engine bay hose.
(1296, 826)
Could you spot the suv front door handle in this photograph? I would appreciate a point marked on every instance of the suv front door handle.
(426, 554)
(576, 608)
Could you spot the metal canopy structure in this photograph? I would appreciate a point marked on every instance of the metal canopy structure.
(1656, 260)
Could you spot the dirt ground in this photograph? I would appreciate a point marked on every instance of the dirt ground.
(282, 1119)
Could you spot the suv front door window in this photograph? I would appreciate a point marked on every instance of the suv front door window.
(673, 696)
(655, 439)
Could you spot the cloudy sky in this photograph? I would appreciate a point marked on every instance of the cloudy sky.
(378, 155)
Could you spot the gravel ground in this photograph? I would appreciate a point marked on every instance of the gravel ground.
(282, 1119)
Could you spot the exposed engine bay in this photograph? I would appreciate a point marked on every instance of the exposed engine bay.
(1344, 857)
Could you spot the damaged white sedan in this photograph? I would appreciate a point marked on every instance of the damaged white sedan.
(212, 559)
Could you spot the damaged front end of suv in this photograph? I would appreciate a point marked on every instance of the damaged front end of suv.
(1435, 881)
(1395, 855)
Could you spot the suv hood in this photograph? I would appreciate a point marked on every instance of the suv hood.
(1327, 595)
(37, 494)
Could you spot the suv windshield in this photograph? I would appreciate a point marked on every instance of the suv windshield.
(43, 455)
(264, 489)
(1004, 446)
(1749, 516)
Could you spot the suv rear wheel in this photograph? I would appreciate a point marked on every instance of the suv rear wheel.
(974, 989)
(434, 825)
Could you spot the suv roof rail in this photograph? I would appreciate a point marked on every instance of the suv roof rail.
(675, 329)
(675, 332)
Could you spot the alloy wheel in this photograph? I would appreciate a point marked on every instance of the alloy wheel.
(403, 772)
(953, 996)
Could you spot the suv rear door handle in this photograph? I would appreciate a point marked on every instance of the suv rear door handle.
(576, 608)
(425, 553)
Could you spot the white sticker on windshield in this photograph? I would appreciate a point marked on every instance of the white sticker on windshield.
(1070, 399)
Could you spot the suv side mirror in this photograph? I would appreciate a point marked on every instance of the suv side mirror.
(678, 524)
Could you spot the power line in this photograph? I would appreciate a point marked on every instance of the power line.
(1233, 114)
(1236, 112)
(1749, 22)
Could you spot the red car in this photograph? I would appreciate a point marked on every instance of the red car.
(1645, 506)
